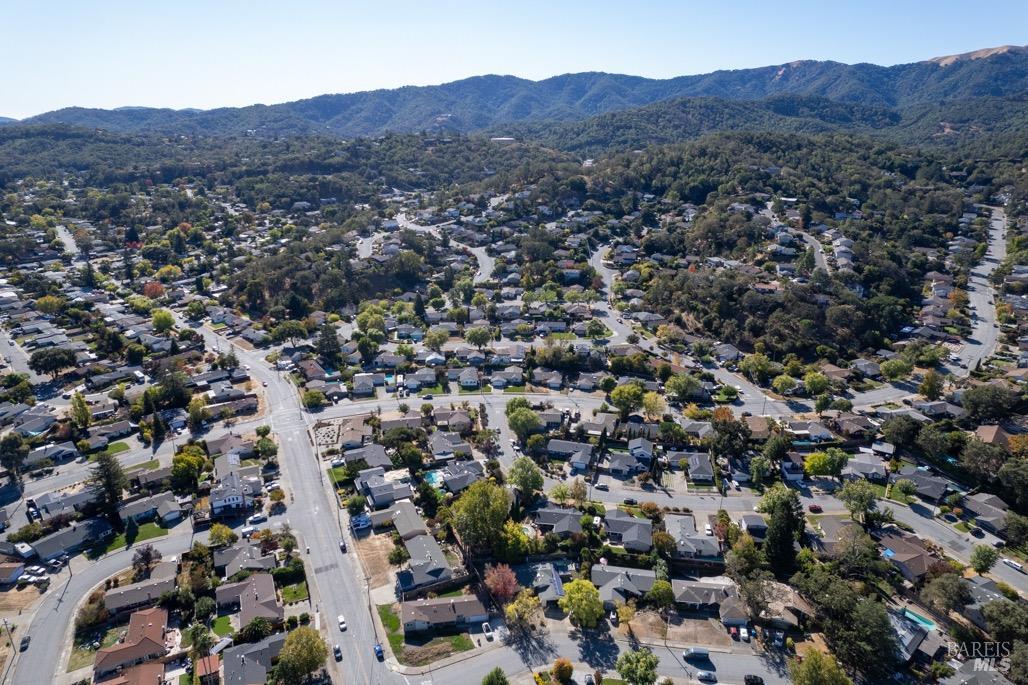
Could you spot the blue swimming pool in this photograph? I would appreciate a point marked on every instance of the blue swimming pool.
(434, 478)
(926, 623)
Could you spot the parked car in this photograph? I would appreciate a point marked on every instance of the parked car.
(1013, 564)
(25, 643)
(706, 677)
(752, 680)
(338, 653)
(257, 518)
(630, 501)
(342, 622)
(744, 634)
(487, 630)
(707, 530)
(734, 632)
(602, 486)
(815, 508)
(378, 651)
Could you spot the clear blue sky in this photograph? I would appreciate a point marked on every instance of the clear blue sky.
(188, 53)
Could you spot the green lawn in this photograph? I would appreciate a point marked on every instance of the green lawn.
(222, 627)
(962, 526)
(431, 390)
(567, 335)
(394, 631)
(295, 593)
(146, 531)
(484, 388)
(185, 679)
(514, 389)
(111, 449)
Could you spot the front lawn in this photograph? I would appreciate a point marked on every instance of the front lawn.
(431, 390)
(420, 649)
(83, 654)
(296, 592)
(144, 466)
(475, 391)
(514, 389)
(144, 532)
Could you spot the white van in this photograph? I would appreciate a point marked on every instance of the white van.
(1013, 564)
(696, 653)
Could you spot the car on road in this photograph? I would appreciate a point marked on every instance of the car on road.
(342, 545)
(379, 654)
(815, 508)
(25, 643)
(630, 501)
(752, 680)
(427, 396)
(602, 486)
(706, 677)
(342, 622)
(589, 680)
(338, 653)
(707, 530)
(264, 383)
(1013, 564)
(487, 630)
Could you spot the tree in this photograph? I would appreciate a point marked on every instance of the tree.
(864, 641)
(303, 652)
(314, 399)
(1006, 620)
(760, 469)
(560, 493)
(328, 346)
(221, 535)
(512, 545)
(653, 405)
(827, 463)
(815, 383)
(356, 504)
(931, 385)
(989, 402)
(661, 595)
(266, 448)
(80, 412)
(109, 479)
(859, 497)
(905, 487)
(757, 366)
(198, 413)
(525, 475)
(434, 340)
(581, 601)
(946, 593)
(731, 437)
(479, 514)
(783, 384)
(50, 304)
(523, 610)
(495, 676)
(523, 421)
(162, 321)
(13, 451)
(779, 542)
(933, 440)
(478, 336)
(744, 559)
(201, 639)
(983, 557)
(638, 666)
(256, 630)
(562, 670)
(776, 447)
(682, 387)
(204, 608)
(52, 360)
(817, 668)
(982, 459)
(895, 369)
(577, 490)
(289, 330)
(186, 467)
(143, 560)
(901, 431)
(502, 583)
(627, 398)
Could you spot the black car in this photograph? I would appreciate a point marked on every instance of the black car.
(753, 680)
(25, 642)
(342, 545)
(630, 501)
(338, 653)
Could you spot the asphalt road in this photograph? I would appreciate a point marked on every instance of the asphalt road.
(981, 300)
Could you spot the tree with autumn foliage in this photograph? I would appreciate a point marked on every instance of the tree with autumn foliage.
(502, 582)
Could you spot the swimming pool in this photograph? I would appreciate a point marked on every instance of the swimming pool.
(926, 623)
(434, 478)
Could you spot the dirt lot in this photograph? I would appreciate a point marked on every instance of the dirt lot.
(646, 624)
(699, 631)
(374, 551)
(17, 599)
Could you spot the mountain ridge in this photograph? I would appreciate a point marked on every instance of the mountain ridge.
(489, 102)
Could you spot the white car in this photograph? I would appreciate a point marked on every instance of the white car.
(744, 634)
(487, 630)
(342, 622)
(707, 530)
(264, 383)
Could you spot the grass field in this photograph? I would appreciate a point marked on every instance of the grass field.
(295, 593)
(83, 654)
(146, 531)
(222, 626)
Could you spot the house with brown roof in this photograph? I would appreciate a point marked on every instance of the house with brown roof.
(906, 552)
(443, 612)
(144, 641)
(993, 435)
(149, 673)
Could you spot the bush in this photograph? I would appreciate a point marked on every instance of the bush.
(291, 623)
(305, 618)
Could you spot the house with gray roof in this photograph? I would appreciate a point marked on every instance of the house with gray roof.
(428, 564)
(148, 591)
(372, 455)
(247, 664)
(78, 536)
(458, 475)
(380, 491)
(618, 584)
(689, 542)
(404, 517)
(632, 533)
(702, 595)
(241, 556)
(560, 521)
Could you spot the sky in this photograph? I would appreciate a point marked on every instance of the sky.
(217, 53)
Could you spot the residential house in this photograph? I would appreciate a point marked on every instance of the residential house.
(78, 536)
(250, 664)
(635, 534)
(380, 491)
(443, 612)
(428, 564)
(445, 445)
(618, 584)
(255, 597)
(144, 641)
(403, 516)
(148, 591)
(989, 512)
(702, 596)
(689, 542)
(241, 556)
(907, 554)
(546, 579)
(458, 475)
(560, 521)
